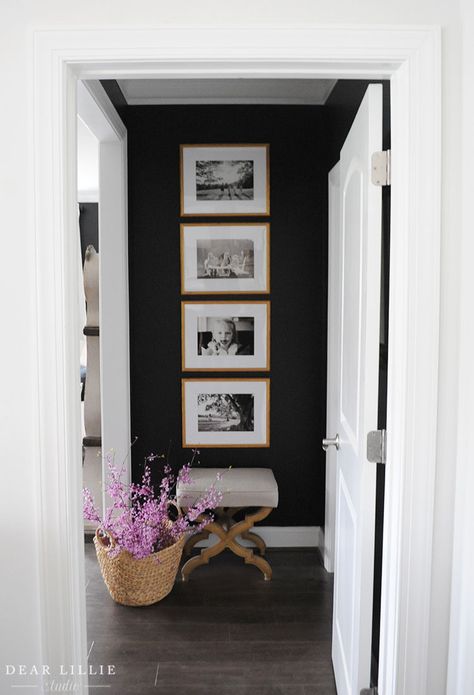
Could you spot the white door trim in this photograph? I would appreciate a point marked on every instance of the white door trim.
(97, 112)
(410, 57)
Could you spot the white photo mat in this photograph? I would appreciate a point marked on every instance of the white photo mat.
(258, 202)
(252, 241)
(192, 321)
(193, 437)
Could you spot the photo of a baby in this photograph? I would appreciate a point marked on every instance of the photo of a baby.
(223, 336)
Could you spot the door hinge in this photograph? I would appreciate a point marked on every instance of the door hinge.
(369, 691)
(376, 444)
(381, 163)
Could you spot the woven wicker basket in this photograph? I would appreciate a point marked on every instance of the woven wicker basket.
(142, 582)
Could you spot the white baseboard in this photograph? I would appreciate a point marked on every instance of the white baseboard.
(281, 537)
(274, 536)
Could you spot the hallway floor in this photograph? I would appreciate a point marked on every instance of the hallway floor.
(225, 632)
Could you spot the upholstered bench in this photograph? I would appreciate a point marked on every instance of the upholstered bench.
(242, 488)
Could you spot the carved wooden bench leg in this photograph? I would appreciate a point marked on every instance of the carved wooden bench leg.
(256, 539)
(193, 540)
(251, 559)
(206, 553)
(247, 535)
(228, 540)
(241, 529)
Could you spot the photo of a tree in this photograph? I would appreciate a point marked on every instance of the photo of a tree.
(225, 412)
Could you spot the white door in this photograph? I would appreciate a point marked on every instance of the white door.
(356, 262)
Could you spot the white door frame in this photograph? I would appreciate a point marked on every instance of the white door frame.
(97, 112)
(410, 58)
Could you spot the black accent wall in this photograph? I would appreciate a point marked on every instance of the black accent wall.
(298, 165)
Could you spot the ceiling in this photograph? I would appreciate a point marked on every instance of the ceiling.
(195, 91)
(226, 91)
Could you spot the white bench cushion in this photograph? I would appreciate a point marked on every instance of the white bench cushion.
(242, 487)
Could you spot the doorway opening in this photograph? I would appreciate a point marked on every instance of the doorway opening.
(305, 142)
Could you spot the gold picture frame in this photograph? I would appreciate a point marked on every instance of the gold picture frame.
(225, 413)
(204, 336)
(229, 180)
(247, 243)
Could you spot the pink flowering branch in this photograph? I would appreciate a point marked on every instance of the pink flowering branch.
(138, 520)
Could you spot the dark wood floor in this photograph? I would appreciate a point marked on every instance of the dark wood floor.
(225, 632)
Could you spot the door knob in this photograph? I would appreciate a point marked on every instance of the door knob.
(331, 442)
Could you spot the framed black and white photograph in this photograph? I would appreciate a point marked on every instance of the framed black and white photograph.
(226, 412)
(225, 180)
(225, 336)
(225, 259)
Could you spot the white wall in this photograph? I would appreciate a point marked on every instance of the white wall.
(87, 164)
(18, 414)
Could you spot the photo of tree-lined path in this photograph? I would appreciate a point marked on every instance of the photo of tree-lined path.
(224, 180)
